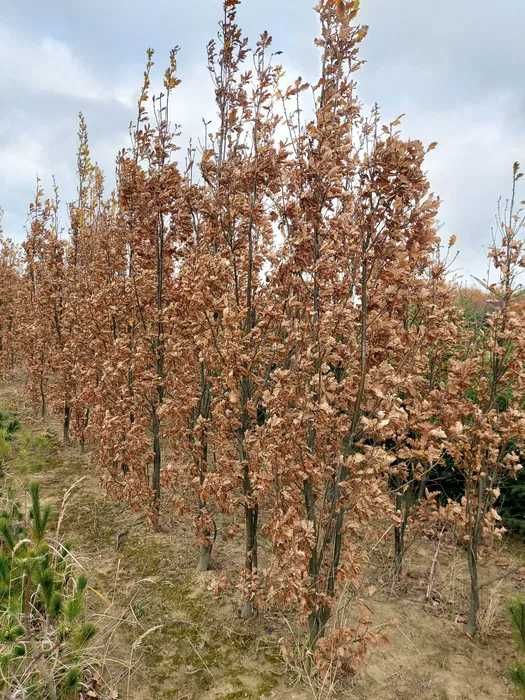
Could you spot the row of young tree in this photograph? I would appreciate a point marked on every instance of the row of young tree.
(264, 329)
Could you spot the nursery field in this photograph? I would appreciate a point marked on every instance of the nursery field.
(258, 437)
(163, 633)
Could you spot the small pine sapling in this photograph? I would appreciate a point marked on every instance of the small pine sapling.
(44, 632)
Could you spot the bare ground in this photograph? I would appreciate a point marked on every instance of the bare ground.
(166, 635)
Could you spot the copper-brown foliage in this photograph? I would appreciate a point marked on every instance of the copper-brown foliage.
(9, 304)
(267, 330)
(482, 412)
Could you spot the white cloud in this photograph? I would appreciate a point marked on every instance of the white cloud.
(49, 84)
(21, 159)
(471, 168)
(50, 66)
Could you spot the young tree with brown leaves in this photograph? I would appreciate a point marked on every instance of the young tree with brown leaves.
(239, 168)
(483, 413)
(187, 410)
(149, 190)
(82, 281)
(43, 319)
(358, 227)
(10, 279)
(428, 340)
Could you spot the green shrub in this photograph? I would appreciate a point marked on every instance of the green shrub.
(34, 451)
(9, 425)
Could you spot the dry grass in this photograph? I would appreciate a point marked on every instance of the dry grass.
(489, 618)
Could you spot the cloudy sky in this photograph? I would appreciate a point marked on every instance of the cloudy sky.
(454, 67)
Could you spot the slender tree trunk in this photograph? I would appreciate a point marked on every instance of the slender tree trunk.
(472, 555)
(318, 617)
(251, 514)
(84, 428)
(205, 552)
(408, 492)
(399, 536)
(207, 546)
(205, 557)
(43, 404)
(157, 461)
(67, 422)
(399, 551)
(317, 621)
(251, 508)
(204, 411)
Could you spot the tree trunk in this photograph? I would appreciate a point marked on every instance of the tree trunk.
(205, 556)
(83, 435)
(206, 547)
(43, 405)
(157, 460)
(204, 411)
(316, 624)
(318, 616)
(67, 421)
(472, 621)
(399, 547)
(251, 514)
(399, 536)
(408, 493)
(251, 509)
